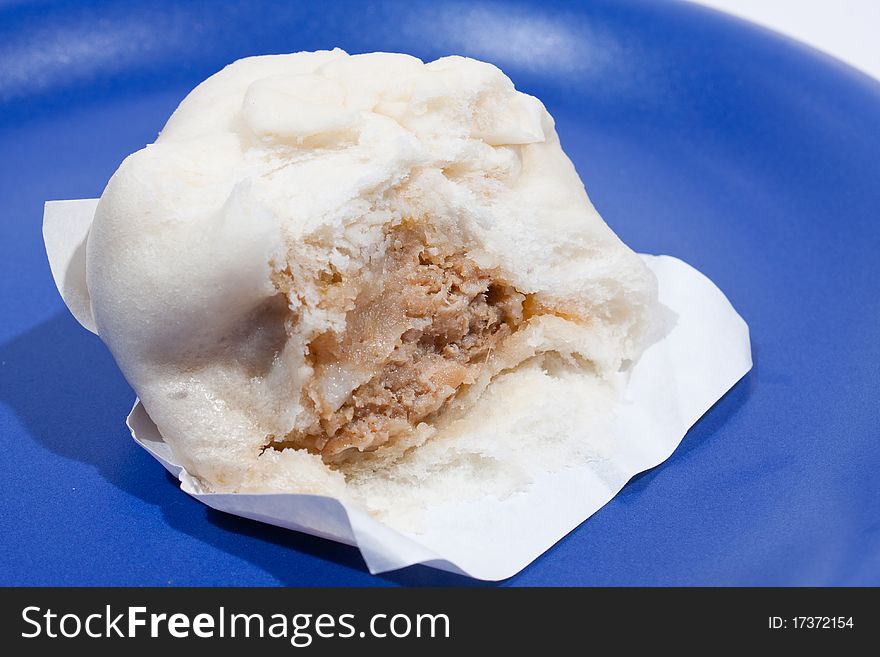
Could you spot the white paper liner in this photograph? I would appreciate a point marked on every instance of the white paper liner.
(673, 384)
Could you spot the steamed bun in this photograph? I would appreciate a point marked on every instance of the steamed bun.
(330, 273)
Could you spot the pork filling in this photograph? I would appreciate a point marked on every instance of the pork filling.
(424, 335)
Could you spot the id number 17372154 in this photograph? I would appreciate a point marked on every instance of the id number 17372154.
(810, 623)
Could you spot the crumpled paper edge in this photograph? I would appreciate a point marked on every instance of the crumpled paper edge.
(65, 230)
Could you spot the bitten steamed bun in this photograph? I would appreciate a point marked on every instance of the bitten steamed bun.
(328, 270)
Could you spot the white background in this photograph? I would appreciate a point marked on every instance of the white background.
(847, 29)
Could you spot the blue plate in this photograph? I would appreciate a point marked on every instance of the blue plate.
(750, 156)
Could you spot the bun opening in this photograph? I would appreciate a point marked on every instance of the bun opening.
(420, 330)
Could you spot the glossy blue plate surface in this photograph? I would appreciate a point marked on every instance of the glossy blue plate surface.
(749, 156)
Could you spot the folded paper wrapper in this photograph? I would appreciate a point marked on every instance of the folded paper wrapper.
(676, 380)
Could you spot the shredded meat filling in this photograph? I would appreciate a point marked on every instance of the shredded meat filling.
(455, 314)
